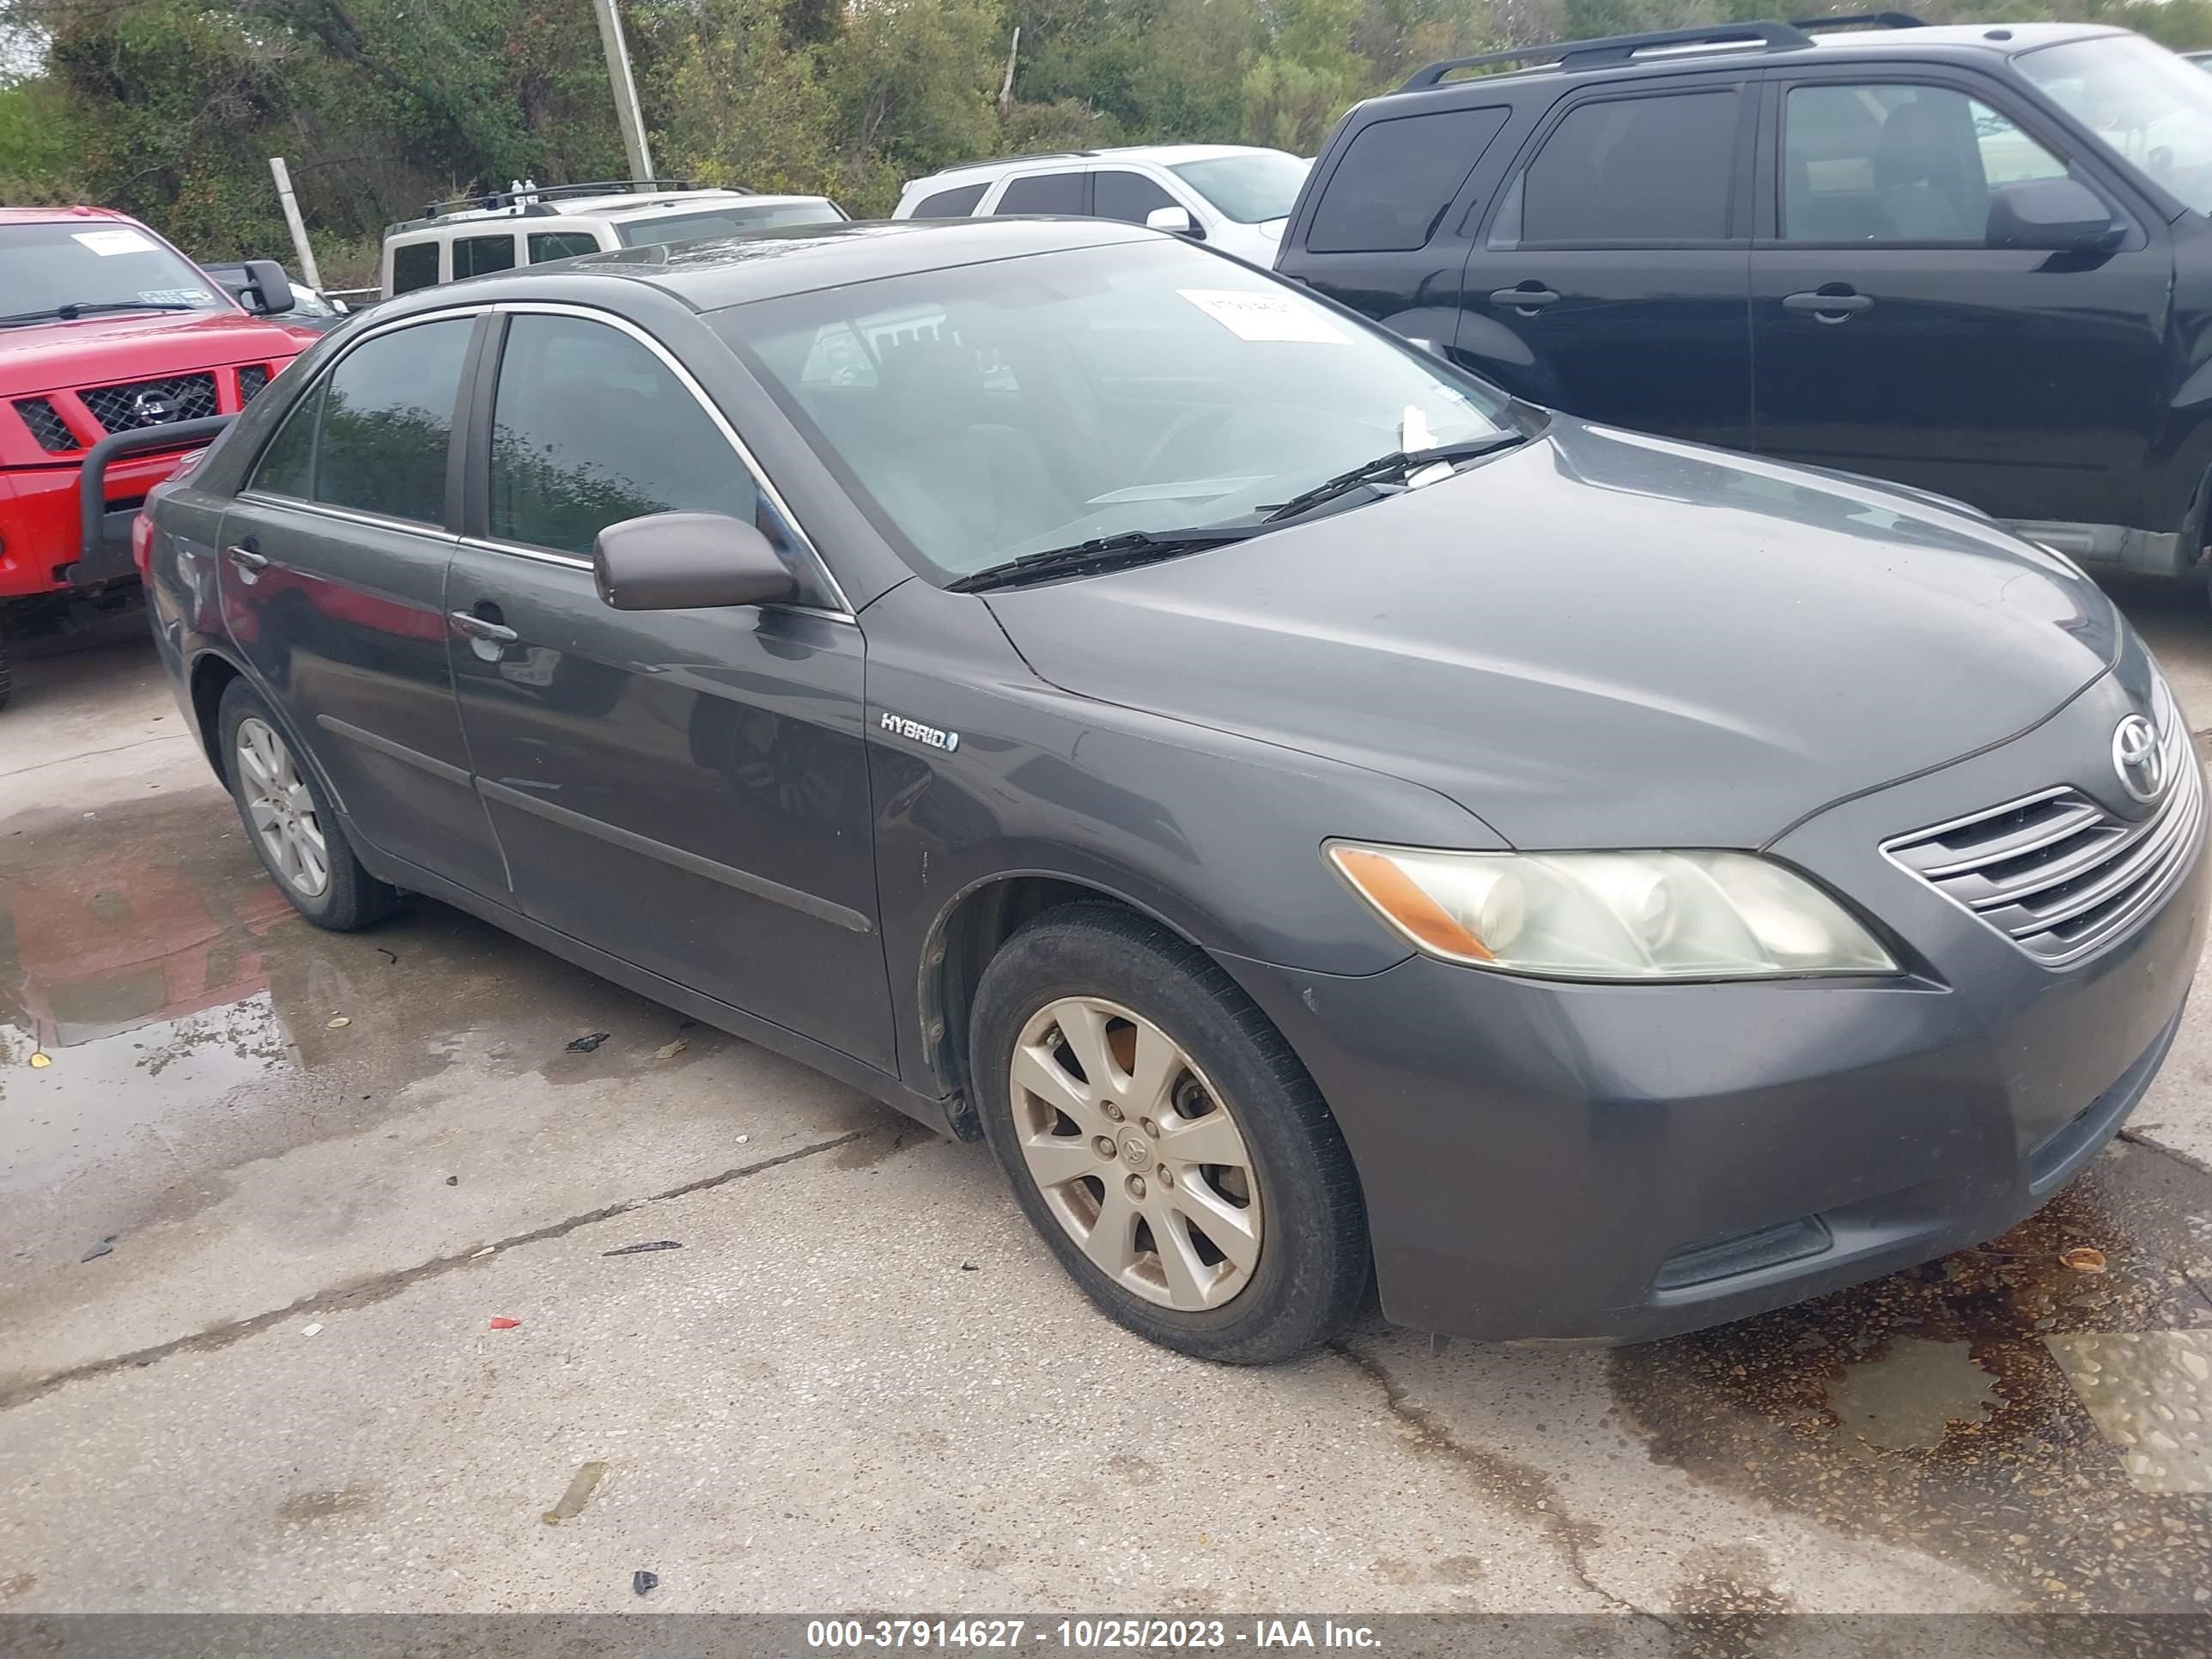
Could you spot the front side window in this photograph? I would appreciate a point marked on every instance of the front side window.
(414, 266)
(981, 412)
(95, 264)
(589, 428)
(479, 256)
(546, 245)
(1628, 170)
(388, 421)
(726, 222)
(954, 203)
(1889, 164)
(1251, 187)
(1118, 193)
(2148, 107)
(1043, 192)
(1398, 177)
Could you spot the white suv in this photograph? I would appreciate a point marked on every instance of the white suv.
(1230, 196)
(530, 224)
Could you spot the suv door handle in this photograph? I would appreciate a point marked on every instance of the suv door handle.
(1826, 307)
(242, 554)
(1524, 300)
(477, 629)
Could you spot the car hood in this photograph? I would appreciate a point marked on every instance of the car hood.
(137, 345)
(1602, 639)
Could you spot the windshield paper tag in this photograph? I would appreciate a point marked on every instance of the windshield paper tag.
(1269, 317)
(107, 242)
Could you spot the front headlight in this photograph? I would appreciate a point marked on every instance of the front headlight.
(1611, 915)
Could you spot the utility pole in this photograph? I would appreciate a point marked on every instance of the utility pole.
(282, 175)
(626, 110)
(1006, 87)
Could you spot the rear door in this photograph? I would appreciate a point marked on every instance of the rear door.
(686, 789)
(1611, 277)
(332, 578)
(1892, 340)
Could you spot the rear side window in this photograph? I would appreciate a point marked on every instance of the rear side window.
(1118, 193)
(954, 203)
(1628, 170)
(414, 266)
(1395, 181)
(479, 256)
(285, 466)
(387, 420)
(589, 428)
(1043, 192)
(560, 244)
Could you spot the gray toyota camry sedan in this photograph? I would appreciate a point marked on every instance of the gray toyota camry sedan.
(1323, 822)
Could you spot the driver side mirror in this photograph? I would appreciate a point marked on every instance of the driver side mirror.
(688, 562)
(2060, 215)
(268, 290)
(1175, 219)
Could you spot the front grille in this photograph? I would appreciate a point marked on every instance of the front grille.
(47, 425)
(150, 403)
(2056, 873)
(251, 379)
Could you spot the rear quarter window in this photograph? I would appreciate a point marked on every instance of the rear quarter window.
(954, 203)
(415, 265)
(1397, 177)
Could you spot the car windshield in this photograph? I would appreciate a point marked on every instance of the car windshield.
(1251, 188)
(733, 220)
(96, 262)
(983, 412)
(2150, 108)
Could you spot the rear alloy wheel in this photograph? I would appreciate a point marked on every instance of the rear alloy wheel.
(299, 838)
(1163, 1140)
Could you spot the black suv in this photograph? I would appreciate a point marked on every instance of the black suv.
(1971, 259)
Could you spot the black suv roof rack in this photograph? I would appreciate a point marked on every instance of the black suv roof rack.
(1576, 55)
(533, 198)
(1861, 20)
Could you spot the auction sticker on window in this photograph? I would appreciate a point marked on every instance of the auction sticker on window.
(1270, 317)
(107, 242)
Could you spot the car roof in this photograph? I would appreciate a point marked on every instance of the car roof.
(1165, 155)
(731, 271)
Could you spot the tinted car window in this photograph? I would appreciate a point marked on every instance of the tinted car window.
(1633, 170)
(387, 417)
(284, 467)
(1043, 192)
(589, 428)
(560, 244)
(414, 266)
(1117, 193)
(954, 203)
(1397, 178)
(1884, 164)
(478, 256)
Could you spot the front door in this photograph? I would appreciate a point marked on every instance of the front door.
(687, 790)
(1611, 280)
(332, 581)
(1891, 340)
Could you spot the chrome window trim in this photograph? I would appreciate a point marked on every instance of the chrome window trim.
(623, 325)
(570, 561)
(345, 515)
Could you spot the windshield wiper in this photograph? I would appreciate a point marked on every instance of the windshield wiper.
(1396, 465)
(1106, 553)
(70, 312)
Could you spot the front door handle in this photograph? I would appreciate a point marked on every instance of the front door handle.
(476, 627)
(1834, 304)
(242, 554)
(1526, 300)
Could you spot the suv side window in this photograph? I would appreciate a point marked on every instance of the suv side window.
(387, 420)
(560, 244)
(414, 266)
(286, 467)
(954, 203)
(479, 256)
(1897, 163)
(1656, 169)
(1043, 192)
(1118, 193)
(589, 428)
(1397, 178)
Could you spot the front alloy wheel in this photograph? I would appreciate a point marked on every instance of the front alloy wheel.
(1136, 1154)
(281, 809)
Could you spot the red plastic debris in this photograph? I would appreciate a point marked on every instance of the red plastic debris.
(505, 1324)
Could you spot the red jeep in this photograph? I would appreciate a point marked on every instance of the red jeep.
(107, 330)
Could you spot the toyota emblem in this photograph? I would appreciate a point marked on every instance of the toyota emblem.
(151, 409)
(2138, 759)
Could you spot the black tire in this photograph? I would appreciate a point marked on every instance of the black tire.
(352, 898)
(1313, 1267)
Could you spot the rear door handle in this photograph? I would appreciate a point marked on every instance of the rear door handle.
(477, 629)
(1523, 298)
(242, 554)
(1827, 307)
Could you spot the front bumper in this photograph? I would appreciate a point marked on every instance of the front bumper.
(1610, 1163)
